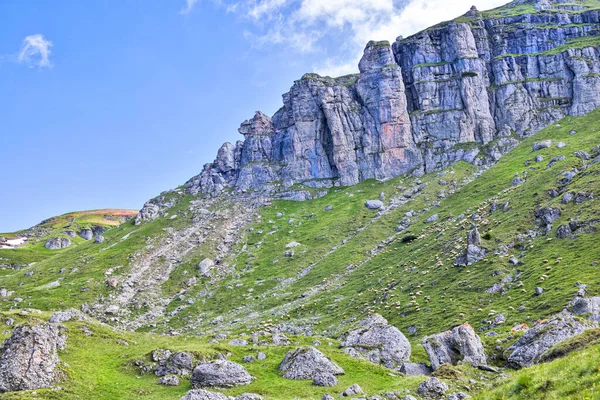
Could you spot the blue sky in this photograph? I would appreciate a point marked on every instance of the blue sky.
(106, 103)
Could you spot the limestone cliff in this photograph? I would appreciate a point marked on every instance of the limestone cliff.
(466, 89)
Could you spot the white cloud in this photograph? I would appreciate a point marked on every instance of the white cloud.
(306, 25)
(35, 51)
(188, 7)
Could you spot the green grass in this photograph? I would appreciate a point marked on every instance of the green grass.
(34, 251)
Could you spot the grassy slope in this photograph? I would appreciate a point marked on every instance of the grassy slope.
(100, 366)
(34, 250)
(350, 281)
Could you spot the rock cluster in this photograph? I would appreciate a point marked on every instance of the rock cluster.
(57, 243)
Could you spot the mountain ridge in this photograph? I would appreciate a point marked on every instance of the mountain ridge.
(468, 89)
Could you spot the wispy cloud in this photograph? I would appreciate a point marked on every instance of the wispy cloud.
(189, 6)
(308, 25)
(35, 51)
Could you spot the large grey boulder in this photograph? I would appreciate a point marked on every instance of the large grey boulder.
(459, 344)
(29, 358)
(220, 373)
(306, 363)
(57, 243)
(527, 350)
(378, 342)
(432, 388)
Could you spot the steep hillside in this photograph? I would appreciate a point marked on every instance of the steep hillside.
(441, 202)
(319, 266)
(18, 249)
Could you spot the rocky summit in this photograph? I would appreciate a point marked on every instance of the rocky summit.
(425, 229)
(467, 89)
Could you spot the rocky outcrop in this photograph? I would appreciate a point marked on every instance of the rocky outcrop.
(219, 373)
(589, 306)
(29, 358)
(474, 252)
(153, 209)
(528, 349)
(378, 342)
(307, 363)
(459, 344)
(463, 90)
(57, 243)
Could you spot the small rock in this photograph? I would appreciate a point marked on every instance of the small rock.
(374, 204)
(538, 291)
(169, 380)
(432, 218)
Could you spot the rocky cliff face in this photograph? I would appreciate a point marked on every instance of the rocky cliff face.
(467, 89)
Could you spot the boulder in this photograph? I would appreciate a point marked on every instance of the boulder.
(179, 363)
(201, 394)
(378, 342)
(432, 218)
(86, 234)
(29, 358)
(220, 373)
(459, 344)
(324, 379)
(527, 350)
(587, 306)
(541, 145)
(352, 390)
(374, 204)
(415, 369)
(205, 266)
(473, 252)
(306, 363)
(249, 396)
(432, 388)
